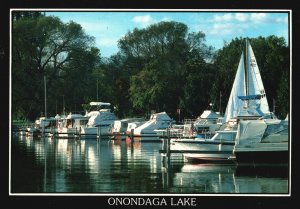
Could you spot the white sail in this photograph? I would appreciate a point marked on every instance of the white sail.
(255, 84)
(238, 89)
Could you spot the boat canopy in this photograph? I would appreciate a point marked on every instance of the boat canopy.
(257, 131)
(251, 131)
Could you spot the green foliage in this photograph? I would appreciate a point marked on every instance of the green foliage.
(44, 46)
(158, 58)
(17, 15)
(283, 97)
(161, 68)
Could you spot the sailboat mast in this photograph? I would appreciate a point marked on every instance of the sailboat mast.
(247, 72)
(247, 69)
(45, 96)
(274, 105)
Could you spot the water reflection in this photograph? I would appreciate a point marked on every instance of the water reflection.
(118, 166)
(223, 178)
(205, 178)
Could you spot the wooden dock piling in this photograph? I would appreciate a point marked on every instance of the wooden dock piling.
(166, 149)
(98, 132)
(131, 135)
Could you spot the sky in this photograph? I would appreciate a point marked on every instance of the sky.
(110, 26)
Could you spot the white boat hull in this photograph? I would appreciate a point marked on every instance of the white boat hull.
(87, 132)
(218, 148)
(201, 145)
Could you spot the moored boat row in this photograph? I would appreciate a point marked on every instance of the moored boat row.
(248, 132)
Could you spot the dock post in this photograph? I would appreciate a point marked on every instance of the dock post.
(131, 138)
(131, 135)
(52, 132)
(43, 130)
(168, 147)
(79, 132)
(76, 133)
(166, 162)
(163, 143)
(98, 132)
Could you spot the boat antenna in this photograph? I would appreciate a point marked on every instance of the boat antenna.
(220, 105)
(63, 104)
(274, 106)
(97, 90)
(56, 105)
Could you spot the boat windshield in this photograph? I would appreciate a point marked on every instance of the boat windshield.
(276, 129)
(224, 136)
(98, 107)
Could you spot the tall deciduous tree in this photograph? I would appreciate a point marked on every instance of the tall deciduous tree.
(158, 57)
(44, 46)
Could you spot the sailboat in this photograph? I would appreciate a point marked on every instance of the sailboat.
(238, 89)
(259, 141)
(247, 101)
(248, 98)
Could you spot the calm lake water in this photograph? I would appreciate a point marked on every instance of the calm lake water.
(45, 165)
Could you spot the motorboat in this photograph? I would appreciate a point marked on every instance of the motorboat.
(43, 126)
(204, 126)
(100, 121)
(132, 125)
(71, 125)
(262, 141)
(157, 121)
(120, 127)
(218, 148)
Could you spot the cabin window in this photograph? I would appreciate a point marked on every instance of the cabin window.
(276, 129)
(202, 129)
(226, 137)
(103, 125)
(69, 123)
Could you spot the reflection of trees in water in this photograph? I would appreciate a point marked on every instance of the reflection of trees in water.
(68, 165)
(262, 178)
(22, 162)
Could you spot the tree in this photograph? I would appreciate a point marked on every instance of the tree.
(157, 57)
(283, 97)
(43, 46)
(198, 75)
(272, 57)
(17, 15)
